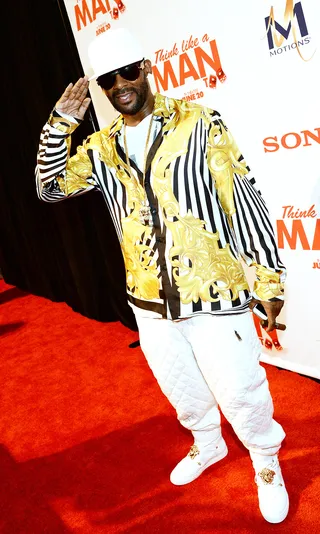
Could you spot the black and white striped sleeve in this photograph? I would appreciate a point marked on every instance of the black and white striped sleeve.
(252, 226)
(256, 239)
(246, 211)
(57, 175)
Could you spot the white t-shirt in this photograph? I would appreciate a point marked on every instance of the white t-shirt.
(136, 140)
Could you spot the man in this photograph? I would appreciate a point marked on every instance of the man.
(186, 212)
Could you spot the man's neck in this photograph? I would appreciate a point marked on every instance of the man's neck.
(147, 108)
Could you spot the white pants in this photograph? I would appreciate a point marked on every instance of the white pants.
(206, 361)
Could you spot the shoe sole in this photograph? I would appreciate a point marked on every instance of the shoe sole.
(214, 460)
(281, 517)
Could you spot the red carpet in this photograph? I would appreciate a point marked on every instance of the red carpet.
(88, 440)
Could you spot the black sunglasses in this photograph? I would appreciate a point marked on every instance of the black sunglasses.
(130, 72)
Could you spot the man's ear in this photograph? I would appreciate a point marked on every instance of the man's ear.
(148, 66)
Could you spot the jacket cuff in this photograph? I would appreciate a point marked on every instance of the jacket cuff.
(62, 123)
(268, 284)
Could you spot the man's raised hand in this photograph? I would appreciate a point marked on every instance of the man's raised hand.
(74, 100)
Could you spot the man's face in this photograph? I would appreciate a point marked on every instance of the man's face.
(128, 97)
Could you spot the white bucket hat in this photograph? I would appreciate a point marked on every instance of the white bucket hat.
(113, 50)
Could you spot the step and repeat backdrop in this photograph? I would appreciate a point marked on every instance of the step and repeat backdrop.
(258, 63)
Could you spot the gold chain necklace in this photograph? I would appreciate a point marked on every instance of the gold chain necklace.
(145, 216)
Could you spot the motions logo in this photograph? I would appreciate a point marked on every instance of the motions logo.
(295, 27)
(292, 140)
(193, 59)
(299, 226)
(86, 12)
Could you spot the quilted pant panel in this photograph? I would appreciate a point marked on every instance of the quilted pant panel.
(173, 364)
(227, 350)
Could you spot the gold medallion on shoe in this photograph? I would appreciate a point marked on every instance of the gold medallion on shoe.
(194, 451)
(267, 475)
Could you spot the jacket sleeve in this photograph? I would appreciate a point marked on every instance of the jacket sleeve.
(57, 175)
(246, 211)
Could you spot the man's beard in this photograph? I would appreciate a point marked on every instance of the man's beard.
(142, 95)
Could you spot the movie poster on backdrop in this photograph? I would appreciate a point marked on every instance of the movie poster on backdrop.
(257, 63)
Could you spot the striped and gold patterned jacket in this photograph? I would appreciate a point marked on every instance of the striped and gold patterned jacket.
(207, 214)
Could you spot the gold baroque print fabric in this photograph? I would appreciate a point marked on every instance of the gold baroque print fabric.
(140, 263)
(202, 242)
(141, 266)
(268, 284)
(223, 161)
(78, 172)
(201, 269)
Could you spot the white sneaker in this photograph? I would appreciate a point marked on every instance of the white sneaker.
(272, 493)
(197, 460)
